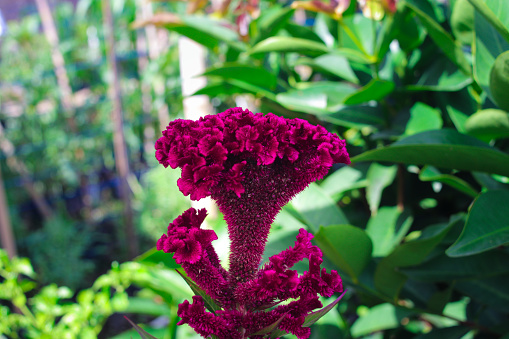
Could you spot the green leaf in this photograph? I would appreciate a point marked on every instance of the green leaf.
(458, 117)
(443, 39)
(488, 124)
(153, 256)
(386, 230)
(488, 44)
(348, 247)
(333, 64)
(388, 279)
(210, 304)
(342, 180)
(378, 318)
(441, 76)
(490, 291)
(146, 306)
(430, 173)
(257, 76)
(220, 88)
(313, 317)
(444, 268)
(355, 116)
(423, 118)
(353, 55)
(444, 149)
(496, 12)
(462, 21)
(270, 22)
(144, 334)
(206, 31)
(360, 27)
(487, 225)
(317, 208)
(378, 178)
(317, 98)
(375, 90)
(282, 44)
(302, 32)
(408, 32)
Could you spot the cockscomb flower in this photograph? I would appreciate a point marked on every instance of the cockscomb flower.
(251, 165)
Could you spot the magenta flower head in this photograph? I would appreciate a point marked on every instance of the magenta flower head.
(251, 165)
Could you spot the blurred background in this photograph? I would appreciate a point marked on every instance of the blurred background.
(65, 163)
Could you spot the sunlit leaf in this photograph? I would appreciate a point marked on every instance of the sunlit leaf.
(444, 149)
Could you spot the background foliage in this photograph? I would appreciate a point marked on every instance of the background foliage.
(417, 225)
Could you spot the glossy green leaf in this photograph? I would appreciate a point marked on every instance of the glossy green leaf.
(348, 247)
(210, 304)
(214, 89)
(317, 98)
(388, 279)
(378, 178)
(458, 118)
(430, 173)
(386, 229)
(257, 76)
(283, 44)
(271, 20)
(444, 149)
(496, 12)
(206, 31)
(153, 256)
(317, 208)
(313, 317)
(333, 64)
(444, 268)
(442, 75)
(353, 55)
(488, 44)
(378, 318)
(423, 118)
(443, 39)
(487, 225)
(302, 32)
(360, 27)
(488, 124)
(344, 179)
(355, 116)
(375, 90)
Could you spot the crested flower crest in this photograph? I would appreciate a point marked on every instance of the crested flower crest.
(251, 165)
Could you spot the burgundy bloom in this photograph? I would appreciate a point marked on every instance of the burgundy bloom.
(251, 165)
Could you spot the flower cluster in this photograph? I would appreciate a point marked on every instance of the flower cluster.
(251, 165)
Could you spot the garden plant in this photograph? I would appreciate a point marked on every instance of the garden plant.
(368, 199)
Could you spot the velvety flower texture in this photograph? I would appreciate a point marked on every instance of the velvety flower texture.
(251, 165)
